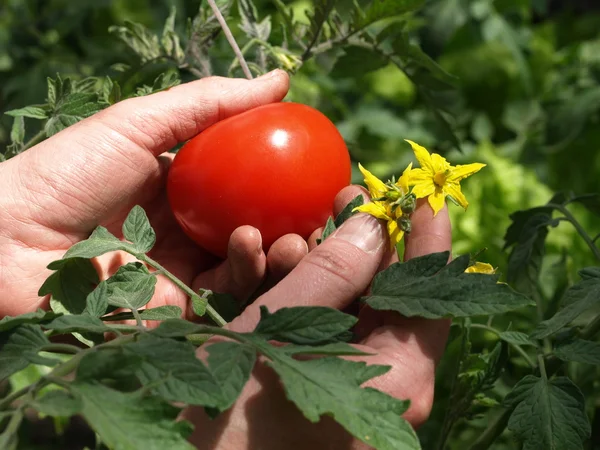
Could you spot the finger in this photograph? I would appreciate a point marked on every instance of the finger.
(348, 194)
(284, 255)
(243, 270)
(333, 274)
(117, 148)
(430, 233)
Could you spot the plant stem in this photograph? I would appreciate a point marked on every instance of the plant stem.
(138, 318)
(39, 137)
(212, 313)
(7, 401)
(62, 348)
(517, 347)
(491, 433)
(230, 38)
(586, 237)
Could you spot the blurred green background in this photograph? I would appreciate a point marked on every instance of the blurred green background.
(526, 102)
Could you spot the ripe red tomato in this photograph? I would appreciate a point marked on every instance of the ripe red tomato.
(277, 167)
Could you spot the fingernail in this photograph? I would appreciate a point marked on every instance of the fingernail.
(363, 231)
(270, 74)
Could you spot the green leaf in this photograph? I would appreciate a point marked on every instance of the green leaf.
(100, 242)
(579, 350)
(170, 39)
(175, 371)
(33, 112)
(140, 39)
(414, 288)
(303, 325)
(329, 228)
(158, 313)
(57, 403)
(225, 304)
(70, 285)
(77, 323)
(317, 18)
(516, 338)
(96, 303)
(383, 9)
(174, 328)
(17, 132)
(548, 414)
(133, 421)
(250, 24)
(590, 201)
(132, 286)
(18, 347)
(109, 363)
(331, 386)
(231, 364)
(38, 316)
(348, 210)
(138, 231)
(356, 62)
(577, 299)
(199, 305)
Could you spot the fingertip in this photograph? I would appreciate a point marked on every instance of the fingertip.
(246, 261)
(312, 239)
(430, 234)
(285, 254)
(346, 195)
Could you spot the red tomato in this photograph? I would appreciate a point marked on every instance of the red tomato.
(277, 167)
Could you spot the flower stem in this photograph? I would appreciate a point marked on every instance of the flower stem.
(230, 39)
(39, 137)
(212, 313)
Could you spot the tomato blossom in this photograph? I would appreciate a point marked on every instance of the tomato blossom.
(480, 267)
(436, 178)
(391, 202)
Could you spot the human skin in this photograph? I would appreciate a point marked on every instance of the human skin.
(93, 172)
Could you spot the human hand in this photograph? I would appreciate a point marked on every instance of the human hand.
(92, 173)
(334, 274)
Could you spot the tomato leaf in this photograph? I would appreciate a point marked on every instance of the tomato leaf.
(110, 363)
(516, 338)
(18, 347)
(426, 287)
(548, 414)
(158, 313)
(133, 420)
(33, 112)
(579, 350)
(577, 299)
(38, 316)
(132, 286)
(100, 242)
(327, 230)
(332, 349)
(348, 210)
(356, 62)
(303, 325)
(96, 303)
(57, 403)
(77, 323)
(590, 201)
(137, 230)
(70, 285)
(383, 9)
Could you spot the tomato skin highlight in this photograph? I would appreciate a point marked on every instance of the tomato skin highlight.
(277, 167)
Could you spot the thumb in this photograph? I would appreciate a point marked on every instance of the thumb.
(97, 167)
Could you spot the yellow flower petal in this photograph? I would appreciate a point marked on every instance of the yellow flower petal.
(404, 179)
(419, 175)
(422, 155)
(424, 189)
(461, 172)
(437, 201)
(453, 189)
(396, 234)
(376, 209)
(480, 267)
(439, 163)
(376, 187)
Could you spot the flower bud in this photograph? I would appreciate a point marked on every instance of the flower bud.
(404, 224)
(408, 203)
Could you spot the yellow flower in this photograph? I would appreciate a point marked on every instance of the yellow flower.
(384, 204)
(480, 267)
(436, 178)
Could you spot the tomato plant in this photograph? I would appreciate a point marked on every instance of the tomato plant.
(277, 167)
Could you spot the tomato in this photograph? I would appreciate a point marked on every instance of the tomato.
(277, 167)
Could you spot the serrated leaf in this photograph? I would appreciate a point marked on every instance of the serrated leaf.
(590, 201)
(77, 323)
(348, 212)
(176, 371)
(250, 24)
(356, 62)
(33, 112)
(548, 414)
(96, 303)
(109, 363)
(303, 325)
(132, 421)
(132, 286)
(140, 39)
(158, 313)
(331, 386)
(231, 364)
(579, 350)
(18, 346)
(38, 316)
(70, 285)
(174, 328)
(170, 39)
(383, 9)
(577, 299)
(317, 18)
(327, 230)
(516, 338)
(57, 403)
(101, 241)
(137, 230)
(332, 349)
(17, 132)
(414, 288)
